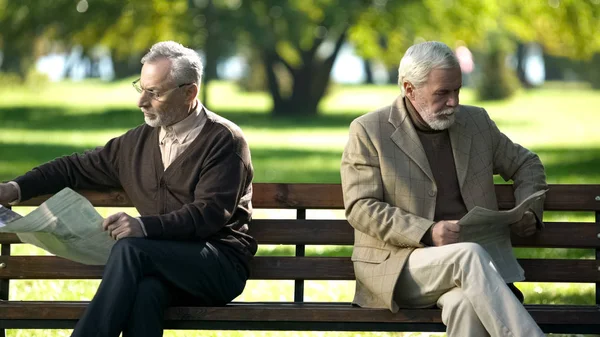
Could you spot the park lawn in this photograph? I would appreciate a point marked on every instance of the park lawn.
(39, 125)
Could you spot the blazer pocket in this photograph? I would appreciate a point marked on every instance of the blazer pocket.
(369, 254)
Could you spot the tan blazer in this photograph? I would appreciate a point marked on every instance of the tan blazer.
(390, 193)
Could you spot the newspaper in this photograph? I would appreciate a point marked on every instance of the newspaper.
(491, 230)
(66, 225)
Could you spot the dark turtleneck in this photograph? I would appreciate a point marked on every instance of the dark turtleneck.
(449, 204)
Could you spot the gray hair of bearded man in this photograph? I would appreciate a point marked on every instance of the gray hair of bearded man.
(186, 65)
(420, 59)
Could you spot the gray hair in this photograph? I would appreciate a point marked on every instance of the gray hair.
(420, 59)
(186, 66)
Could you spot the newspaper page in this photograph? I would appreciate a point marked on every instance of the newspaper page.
(7, 215)
(66, 225)
(491, 230)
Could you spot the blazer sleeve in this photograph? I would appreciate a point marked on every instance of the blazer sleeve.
(514, 162)
(362, 186)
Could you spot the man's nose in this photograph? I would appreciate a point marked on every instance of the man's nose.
(453, 100)
(143, 99)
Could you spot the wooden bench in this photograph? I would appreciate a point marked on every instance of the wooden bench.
(299, 232)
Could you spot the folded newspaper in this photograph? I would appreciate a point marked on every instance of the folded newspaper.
(491, 230)
(66, 225)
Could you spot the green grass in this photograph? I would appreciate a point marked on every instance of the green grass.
(70, 117)
(558, 122)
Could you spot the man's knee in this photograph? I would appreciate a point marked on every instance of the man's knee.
(127, 248)
(472, 250)
(128, 244)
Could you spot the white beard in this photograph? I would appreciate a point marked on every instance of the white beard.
(156, 122)
(440, 120)
(164, 119)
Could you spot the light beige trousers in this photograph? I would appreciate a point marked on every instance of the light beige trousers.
(462, 281)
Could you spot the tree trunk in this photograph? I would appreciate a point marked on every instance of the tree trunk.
(368, 71)
(127, 67)
(211, 53)
(498, 81)
(520, 55)
(12, 60)
(211, 44)
(310, 80)
(308, 89)
(270, 59)
(11, 63)
(210, 73)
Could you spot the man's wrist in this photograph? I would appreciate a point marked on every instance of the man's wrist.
(427, 238)
(142, 225)
(18, 189)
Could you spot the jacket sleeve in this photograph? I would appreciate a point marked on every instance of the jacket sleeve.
(514, 162)
(362, 186)
(223, 187)
(93, 169)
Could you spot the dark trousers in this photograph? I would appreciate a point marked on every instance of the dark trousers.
(142, 277)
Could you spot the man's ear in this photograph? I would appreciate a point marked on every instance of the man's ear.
(408, 89)
(191, 92)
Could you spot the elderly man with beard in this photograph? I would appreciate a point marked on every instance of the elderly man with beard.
(409, 172)
(188, 173)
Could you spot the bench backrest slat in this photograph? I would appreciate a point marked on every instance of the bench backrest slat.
(329, 196)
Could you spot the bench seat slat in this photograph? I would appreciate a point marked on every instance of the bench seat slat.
(339, 232)
(291, 312)
(289, 268)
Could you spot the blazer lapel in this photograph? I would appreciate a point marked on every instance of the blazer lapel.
(406, 138)
(461, 147)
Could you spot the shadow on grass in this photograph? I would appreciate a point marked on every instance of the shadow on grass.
(52, 118)
(38, 153)
(56, 118)
(270, 165)
(571, 165)
(16, 159)
(296, 165)
(563, 165)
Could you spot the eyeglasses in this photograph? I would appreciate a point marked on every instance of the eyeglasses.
(155, 95)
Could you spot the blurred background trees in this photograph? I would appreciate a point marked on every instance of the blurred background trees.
(289, 47)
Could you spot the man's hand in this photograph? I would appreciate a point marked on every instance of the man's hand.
(8, 193)
(120, 225)
(526, 226)
(445, 232)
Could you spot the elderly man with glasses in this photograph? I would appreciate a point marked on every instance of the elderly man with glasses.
(188, 173)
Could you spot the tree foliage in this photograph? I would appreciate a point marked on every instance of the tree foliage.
(294, 39)
(29, 27)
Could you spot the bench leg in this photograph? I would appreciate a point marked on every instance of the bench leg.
(4, 290)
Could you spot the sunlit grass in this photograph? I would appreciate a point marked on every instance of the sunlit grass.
(558, 123)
